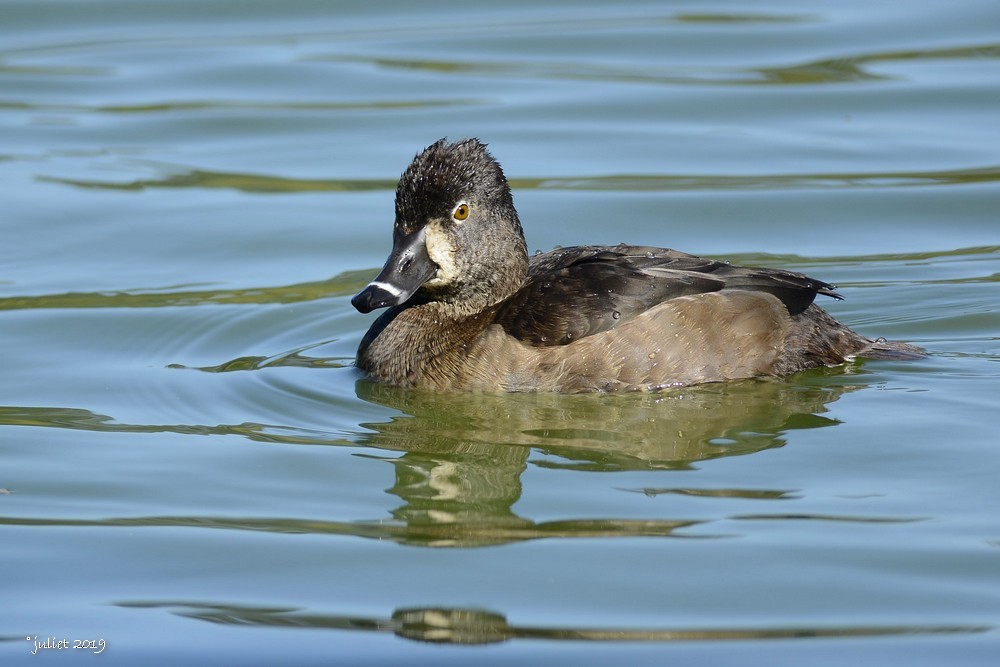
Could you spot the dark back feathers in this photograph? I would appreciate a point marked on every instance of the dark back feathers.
(583, 290)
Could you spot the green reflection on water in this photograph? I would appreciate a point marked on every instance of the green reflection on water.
(467, 626)
(343, 284)
(198, 178)
(824, 71)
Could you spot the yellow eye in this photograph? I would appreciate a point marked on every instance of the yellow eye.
(461, 212)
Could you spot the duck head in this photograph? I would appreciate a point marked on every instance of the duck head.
(456, 239)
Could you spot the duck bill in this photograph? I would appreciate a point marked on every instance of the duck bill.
(408, 267)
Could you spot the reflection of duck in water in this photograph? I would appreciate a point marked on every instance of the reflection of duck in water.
(464, 456)
(470, 311)
(666, 430)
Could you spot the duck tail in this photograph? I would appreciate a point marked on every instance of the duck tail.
(887, 350)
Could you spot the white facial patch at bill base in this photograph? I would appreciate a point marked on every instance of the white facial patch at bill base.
(441, 250)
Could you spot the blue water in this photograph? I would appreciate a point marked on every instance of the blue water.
(192, 471)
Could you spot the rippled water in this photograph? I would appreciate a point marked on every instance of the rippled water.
(192, 469)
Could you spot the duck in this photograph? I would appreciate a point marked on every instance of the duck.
(468, 310)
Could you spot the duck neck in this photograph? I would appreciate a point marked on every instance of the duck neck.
(410, 346)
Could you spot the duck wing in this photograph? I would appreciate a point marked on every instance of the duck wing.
(575, 292)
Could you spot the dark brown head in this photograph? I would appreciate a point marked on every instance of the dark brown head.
(457, 238)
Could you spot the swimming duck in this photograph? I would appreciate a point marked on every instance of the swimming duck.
(470, 311)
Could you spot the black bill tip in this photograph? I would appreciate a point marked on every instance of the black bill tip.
(377, 295)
